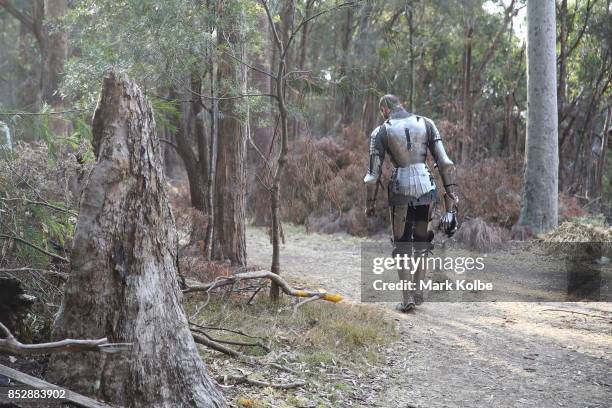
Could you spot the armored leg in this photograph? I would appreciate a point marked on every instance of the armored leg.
(402, 226)
(421, 249)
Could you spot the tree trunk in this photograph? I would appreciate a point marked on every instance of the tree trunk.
(563, 36)
(275, 192)
(193, 166)
(603, 151)
(347, 99)
(199, 134)
(54, 57)
(212, 164)
(411, 79)
(305, 32)
(368, 110)
(229, 242)
(466, 140)
(261, 134)
(540, 194)
(123, 283)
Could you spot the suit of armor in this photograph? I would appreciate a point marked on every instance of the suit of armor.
(407, 139)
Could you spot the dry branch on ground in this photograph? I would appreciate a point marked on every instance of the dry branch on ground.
(284, 286)
(10, 345)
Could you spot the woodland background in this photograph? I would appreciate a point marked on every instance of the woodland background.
(461, 63)
(209, 69)
(263, 110)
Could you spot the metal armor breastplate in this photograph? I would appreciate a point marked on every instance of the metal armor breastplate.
(407, 144)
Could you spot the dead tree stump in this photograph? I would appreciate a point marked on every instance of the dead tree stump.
(123, 283)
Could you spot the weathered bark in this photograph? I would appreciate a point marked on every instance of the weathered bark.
(540, 194)
(229, 242)
(124, 283)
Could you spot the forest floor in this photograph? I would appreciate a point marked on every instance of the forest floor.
(462, 354)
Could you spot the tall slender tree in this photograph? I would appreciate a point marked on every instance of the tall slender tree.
(540, 191)
(229, 240)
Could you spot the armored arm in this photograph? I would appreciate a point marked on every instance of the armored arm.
(377, 157)
(446, 167)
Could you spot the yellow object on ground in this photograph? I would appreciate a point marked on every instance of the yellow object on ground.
(331, 297)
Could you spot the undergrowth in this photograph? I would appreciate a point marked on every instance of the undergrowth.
(332, 347)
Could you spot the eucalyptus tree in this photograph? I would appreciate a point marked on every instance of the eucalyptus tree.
(540, 195)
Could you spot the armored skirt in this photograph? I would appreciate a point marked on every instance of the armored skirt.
(412, 185)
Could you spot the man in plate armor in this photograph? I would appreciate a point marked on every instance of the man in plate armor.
(407, 138)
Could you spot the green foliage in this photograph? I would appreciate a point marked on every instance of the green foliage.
(36, 203)
(164, 112)
(37, 127)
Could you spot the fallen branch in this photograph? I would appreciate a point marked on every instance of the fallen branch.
(242, 379)
(37, 383)
(303, 302)
(225, 329)
(43, 203)
(205, 341)
(259, 288)
(10, 345)
(61, 275)
(232, 342)
(233, 279)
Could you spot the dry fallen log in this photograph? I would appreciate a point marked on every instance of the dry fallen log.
(10, 345)
(37, 383)
(284, 286)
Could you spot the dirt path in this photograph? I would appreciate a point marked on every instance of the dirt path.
(467, 354)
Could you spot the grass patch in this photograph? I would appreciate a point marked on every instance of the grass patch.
(331, 346)
(320, 332)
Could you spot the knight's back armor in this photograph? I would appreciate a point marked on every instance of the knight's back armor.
(407, 138)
